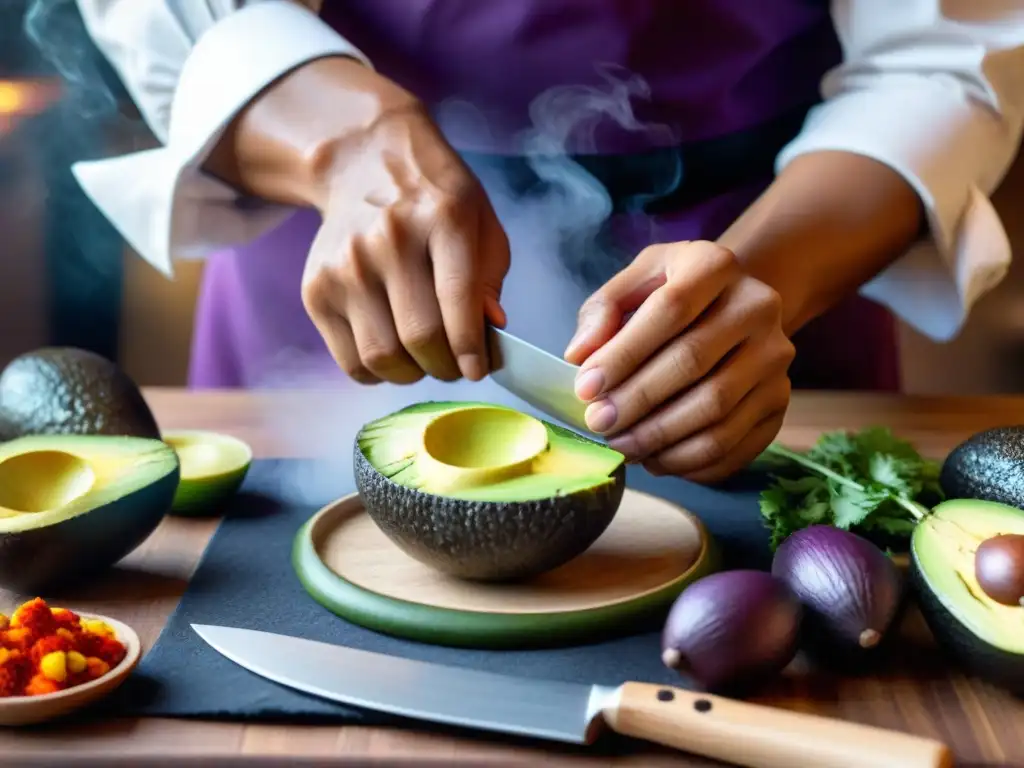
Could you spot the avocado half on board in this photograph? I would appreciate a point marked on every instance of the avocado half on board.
(985, 636)
(486, 492)
(73, 505)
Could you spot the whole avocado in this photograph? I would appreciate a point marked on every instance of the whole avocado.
(988, 466)
(66, 390)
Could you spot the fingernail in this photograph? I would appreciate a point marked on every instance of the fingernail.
(601, 415)
(589, 384)
(625, 445)
(472, 367)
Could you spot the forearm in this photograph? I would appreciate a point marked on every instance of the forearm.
(280, 148)
(829, 223)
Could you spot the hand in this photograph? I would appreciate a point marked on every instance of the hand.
(410, 259)
(695, 383)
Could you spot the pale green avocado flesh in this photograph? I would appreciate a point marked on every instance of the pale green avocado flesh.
(943, 547)
(47, 479)
(213, 467)
(395, 445)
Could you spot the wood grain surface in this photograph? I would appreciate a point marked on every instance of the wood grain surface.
(922, 694)
(648, 545)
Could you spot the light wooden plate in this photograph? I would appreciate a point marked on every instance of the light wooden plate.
(631, 575)
(27, 710)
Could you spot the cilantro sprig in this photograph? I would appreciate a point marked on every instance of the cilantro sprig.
(868, 482)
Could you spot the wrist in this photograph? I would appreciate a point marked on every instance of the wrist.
(363, 113)
(285, 146)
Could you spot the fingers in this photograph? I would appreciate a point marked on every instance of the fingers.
(458, 286)
(723, 447)
(418, 321)
(713, 343)
(337, 335)
(748, 449)
(702, 274)
(602, 314)
(377, 340)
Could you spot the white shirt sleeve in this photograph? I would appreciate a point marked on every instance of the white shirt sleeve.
(935, 90)
(190, 66)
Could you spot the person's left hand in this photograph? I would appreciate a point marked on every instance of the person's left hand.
(695, 383)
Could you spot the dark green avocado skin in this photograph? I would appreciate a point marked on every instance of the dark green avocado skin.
(987, 466)
(988, 662)
(487, 541)
(57, 556)
(65, 390)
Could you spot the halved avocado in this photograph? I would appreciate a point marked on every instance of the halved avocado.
(985, 636)
(73, 505)
(484, 491)
(213, 467)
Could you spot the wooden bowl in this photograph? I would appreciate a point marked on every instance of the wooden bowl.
(27, 710)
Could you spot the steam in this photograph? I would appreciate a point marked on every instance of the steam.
(561, 251)
(58, 32)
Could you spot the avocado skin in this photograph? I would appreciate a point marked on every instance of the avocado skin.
(487, 541)
(81, 547)
(989, 466)
(988, 662)
(65, 390)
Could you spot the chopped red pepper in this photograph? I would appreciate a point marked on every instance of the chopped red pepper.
(43, 650)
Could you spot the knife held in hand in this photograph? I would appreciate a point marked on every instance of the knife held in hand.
(744, 734)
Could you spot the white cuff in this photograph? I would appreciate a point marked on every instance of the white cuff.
(952, 152)
(160, 200)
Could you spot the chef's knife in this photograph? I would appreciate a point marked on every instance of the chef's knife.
(536, 376)
(745, 734)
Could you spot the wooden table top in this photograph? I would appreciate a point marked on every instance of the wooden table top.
(982, 724)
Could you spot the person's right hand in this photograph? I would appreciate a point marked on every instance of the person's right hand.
(409, 262)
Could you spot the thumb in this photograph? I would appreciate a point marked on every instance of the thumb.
(604, 313)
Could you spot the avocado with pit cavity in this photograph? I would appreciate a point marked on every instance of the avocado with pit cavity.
(73, 505)
(988, 465)
(65, 390)
(485, 492)
(213, 466)
(984, 634)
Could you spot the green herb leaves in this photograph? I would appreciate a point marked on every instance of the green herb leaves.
(869, 482)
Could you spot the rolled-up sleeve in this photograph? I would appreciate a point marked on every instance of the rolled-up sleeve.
(934, 89)
(190, 68)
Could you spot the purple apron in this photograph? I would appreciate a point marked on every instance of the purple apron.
(517, 84)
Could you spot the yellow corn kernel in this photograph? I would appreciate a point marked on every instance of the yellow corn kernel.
(4, 655)
(54, 666)
(76, 662)
(97, 627)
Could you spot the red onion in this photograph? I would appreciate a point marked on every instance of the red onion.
(732, 628)
(850, 589)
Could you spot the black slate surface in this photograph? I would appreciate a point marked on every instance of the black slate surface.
(245, 579)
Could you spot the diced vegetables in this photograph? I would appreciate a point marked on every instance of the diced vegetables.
(44, 650)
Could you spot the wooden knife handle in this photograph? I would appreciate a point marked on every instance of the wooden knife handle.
(760, 736)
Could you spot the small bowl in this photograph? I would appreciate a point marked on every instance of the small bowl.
(28, 710)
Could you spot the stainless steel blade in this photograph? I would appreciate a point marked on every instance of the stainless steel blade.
(416, 689)
(537, 377)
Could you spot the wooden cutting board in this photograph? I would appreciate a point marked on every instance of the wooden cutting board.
(629, 576)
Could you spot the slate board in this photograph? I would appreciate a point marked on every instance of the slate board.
(245, 579)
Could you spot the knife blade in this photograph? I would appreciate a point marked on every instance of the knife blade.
(745, 734)
(536, 377)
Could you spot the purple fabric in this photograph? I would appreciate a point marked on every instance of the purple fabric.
(710, 68)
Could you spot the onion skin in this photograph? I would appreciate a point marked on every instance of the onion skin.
(732, 629)
(851, 591)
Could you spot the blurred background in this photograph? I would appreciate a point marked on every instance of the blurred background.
(67, 278)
